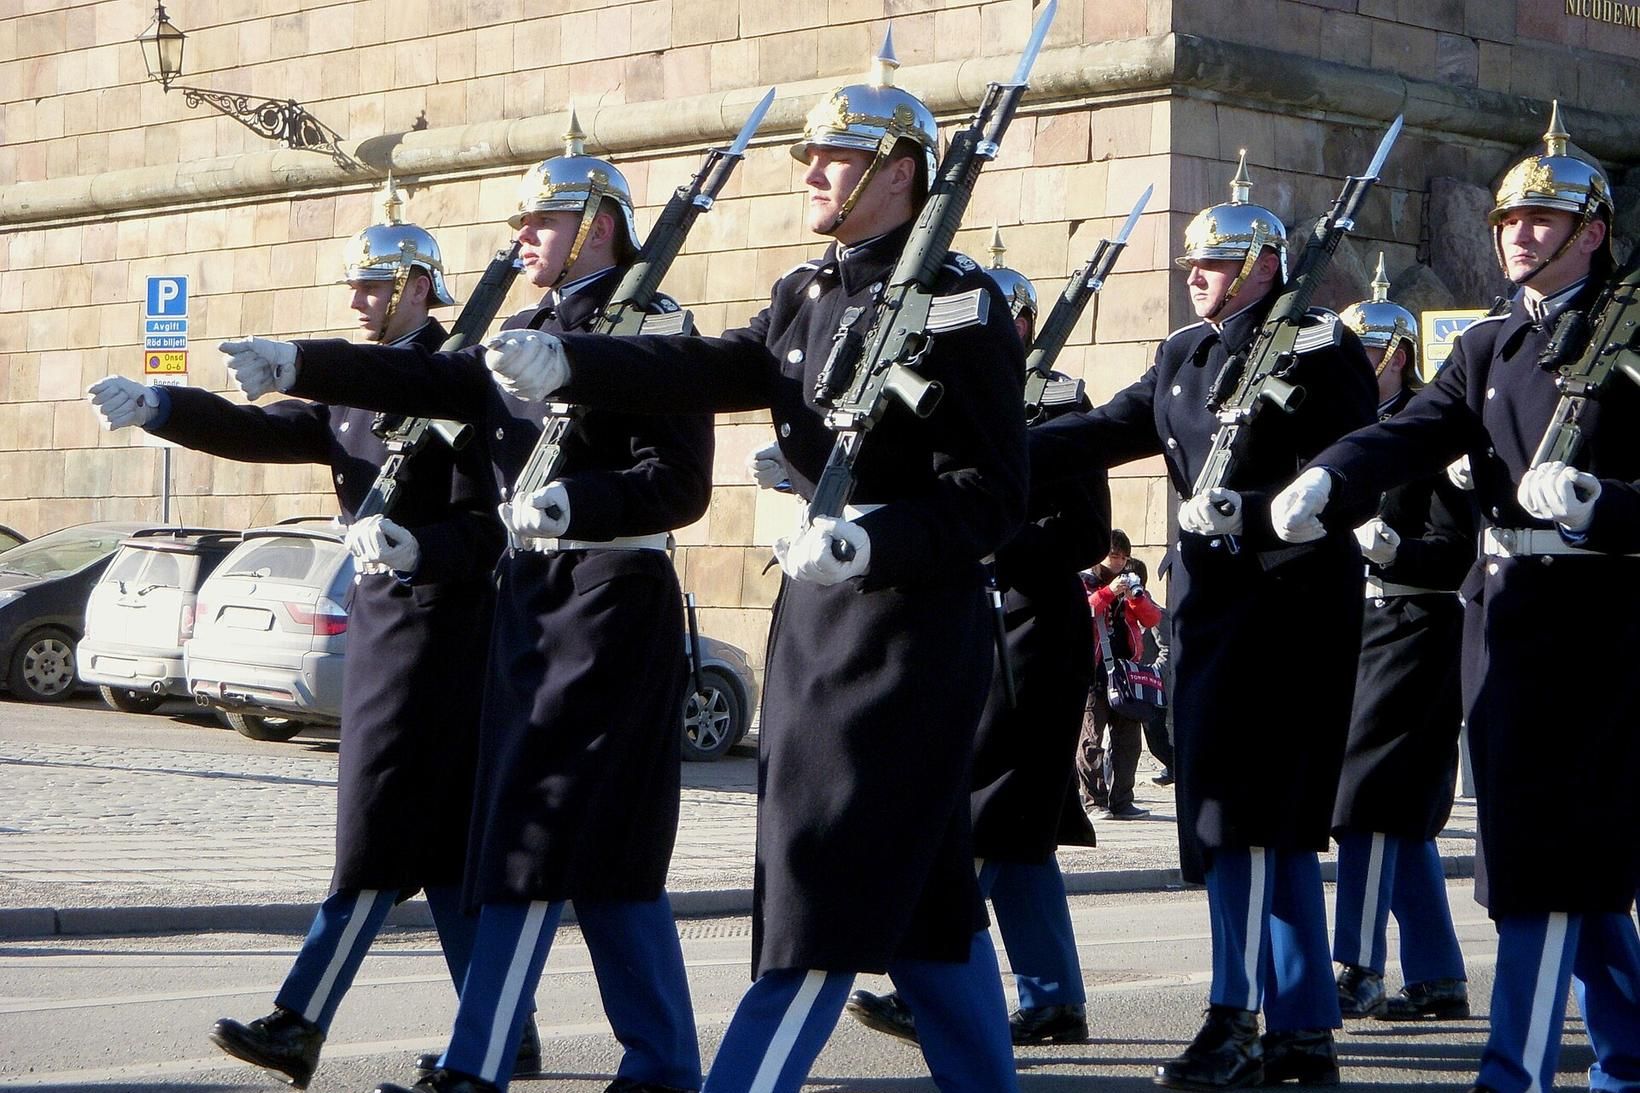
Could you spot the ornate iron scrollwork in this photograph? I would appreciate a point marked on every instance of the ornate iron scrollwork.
(287, 122)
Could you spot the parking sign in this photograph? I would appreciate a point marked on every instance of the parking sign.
(168, 297)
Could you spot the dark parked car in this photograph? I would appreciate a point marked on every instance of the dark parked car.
(720, 696)
(10, 537)
(44, 584)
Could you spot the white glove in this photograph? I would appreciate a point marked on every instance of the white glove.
(527, 364)
(1554, 491)
(1379, 542)
(767, 467)
(809, 557)
(120, 402)
(1460, 473)
(382, 546)
(1295, 512)
(544, 514)
(1204, 515)
(261, 365)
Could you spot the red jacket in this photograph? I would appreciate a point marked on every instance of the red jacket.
(1139, 612)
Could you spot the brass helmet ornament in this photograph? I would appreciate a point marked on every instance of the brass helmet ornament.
(1387, 325)
(389, 249)
(1016, 287)
(1237, 229)
(871, 117)
(1557, 179)
(577, 183)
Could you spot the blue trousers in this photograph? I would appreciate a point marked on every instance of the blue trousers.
(1382, 874)
(1034, 918)
(1537, 955)
(783, 1021)
(336, 944)
(1269, 926)
(639, 964)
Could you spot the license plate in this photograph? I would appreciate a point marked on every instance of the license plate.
(247, 618)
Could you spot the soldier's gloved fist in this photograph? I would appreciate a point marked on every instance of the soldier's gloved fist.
(1460, 473)
(121, 403)
(1379, 542)
(767, 467)
(260, 365)
(1216, 512)
(1295, 512)
(1555, 491)
(527, 364)
(543, 514)
(812, 555)
(381, 546)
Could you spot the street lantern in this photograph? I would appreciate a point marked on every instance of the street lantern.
(285, 121)
(162, 48)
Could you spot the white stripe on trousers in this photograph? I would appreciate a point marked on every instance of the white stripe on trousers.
(1535, 1049)
(512, 987)
(363, 903)
(785, 1037)
(1255, 922)
(1369, 901)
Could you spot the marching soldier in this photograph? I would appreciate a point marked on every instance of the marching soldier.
(878, 665)
(417, 625)
(1252, 812)
(1558, 883)
(1400, 766)
(579, 754)
(1023, 771)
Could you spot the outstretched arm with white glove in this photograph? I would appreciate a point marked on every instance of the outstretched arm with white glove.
(543, 514)
(260, 365)
(812, 556)
(1564, 494)
(121, 403)
(1379, 542)
(527, 364)
(1295, 512)
(381, 546)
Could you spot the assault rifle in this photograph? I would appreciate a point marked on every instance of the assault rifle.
(1247, 384)
(1587, 356)
(627, 310)
(864, 372)
(406, 436)
(1081, 288)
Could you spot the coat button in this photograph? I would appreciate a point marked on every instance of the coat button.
(1378, 602)
(1179, 545)
(795, 356)
(814, 292)
(785, 428)
(344, 426)
(1491, 392)
(338, 478)
(1213, 544)
(1492, 568)
(500, 434)
(1172, 443)
(876, 287)
(1491, 453)
(1497, 513)
(1177, 390)
(1548, 559)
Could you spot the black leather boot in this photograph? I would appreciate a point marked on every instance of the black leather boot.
(1225, 1054)
(628, 1085)
(442, 1081)
(883, 1012)
(526, 1065)
(1049, 1024)
(284, 1042)
(1306, 1056)
(1360, 992)
(1437, 998)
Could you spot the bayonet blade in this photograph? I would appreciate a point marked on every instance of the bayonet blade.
(1384, 146)
(1022, 74)
(747, 131)
(1133, 217)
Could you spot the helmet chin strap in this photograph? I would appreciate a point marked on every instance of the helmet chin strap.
(878, 158)
(597, 187)
(1565, 246)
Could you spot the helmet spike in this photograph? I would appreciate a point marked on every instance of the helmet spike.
(575, 140)
(389, 202)
(997, 248)
(1241, 187)
(884, 64)
(1380, 282)
(1555, 137)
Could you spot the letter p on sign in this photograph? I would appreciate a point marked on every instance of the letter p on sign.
(168, 297)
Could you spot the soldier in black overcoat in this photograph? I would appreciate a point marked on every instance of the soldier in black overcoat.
(580, 749)
(1401, 763)
(1023, 770)
(1558, 861)
(418, 622)
(878, 666)
(1261, 710)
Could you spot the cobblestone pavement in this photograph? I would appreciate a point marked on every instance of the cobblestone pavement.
(99, 826)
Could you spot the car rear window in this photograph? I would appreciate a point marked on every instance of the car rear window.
(138, 570)
(283, 560)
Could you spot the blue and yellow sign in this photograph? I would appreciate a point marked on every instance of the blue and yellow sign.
(1441, 330)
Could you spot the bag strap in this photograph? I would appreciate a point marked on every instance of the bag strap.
(1104, 640)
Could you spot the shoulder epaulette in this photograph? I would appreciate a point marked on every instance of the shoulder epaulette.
(1171, 334)
(809, 265)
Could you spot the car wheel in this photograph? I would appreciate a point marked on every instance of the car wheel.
(42, 668)
(258, 727)
(713, 717)
(130, 700)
